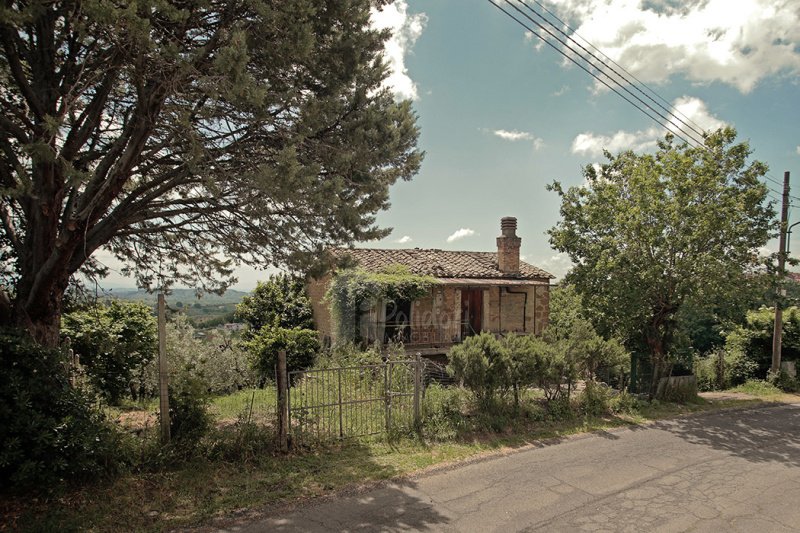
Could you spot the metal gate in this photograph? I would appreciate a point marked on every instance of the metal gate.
(336, 403)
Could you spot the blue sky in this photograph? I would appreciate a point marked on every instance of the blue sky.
(501, 115)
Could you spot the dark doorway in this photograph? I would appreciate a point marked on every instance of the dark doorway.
(398, 321)
(471, 312)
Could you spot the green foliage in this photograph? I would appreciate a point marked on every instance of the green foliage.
(783, 381)
(115, 342)
(754, 340)
(253, 131)
(49, 431)
(220, 362)
(301, 347)
(652, 232)
(352, 291)
(758, 387)
(443, 412)
(280, 301)
(482, 364)
(189, 418)
(585, 352)
(595, 399)
(624, 403)
(348, 354)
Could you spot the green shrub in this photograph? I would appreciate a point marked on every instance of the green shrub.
(757, 387)
(49, 431)
(624, 403)
(740, 367)
(482, 364)
(301, 347)
(221, 363)
(595, 399)
(705, 369)
(783, 381)
(754, 339)
(443, 412)
(115, 342)
(560, 408)
(189, 418)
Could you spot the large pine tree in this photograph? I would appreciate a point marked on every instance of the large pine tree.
(186, 136)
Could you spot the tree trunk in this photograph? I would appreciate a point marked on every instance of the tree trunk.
(39, 317)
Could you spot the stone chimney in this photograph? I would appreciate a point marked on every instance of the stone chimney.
(508, 246)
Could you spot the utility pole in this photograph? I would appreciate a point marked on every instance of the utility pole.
(778, 330)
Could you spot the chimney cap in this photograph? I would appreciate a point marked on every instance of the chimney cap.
(508, 222)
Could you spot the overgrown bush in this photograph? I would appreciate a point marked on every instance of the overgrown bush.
(482, 364)
(443, 412)
(754, 341)
(49, 431)
(115, 342)
(783, 381)
(595, 399)
(723, 368)
(189, 418)
(624, 403)
(301, 345)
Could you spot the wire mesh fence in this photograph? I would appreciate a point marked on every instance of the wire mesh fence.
(356, 401)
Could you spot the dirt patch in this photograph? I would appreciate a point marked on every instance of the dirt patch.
(137, 420)
(722, 396)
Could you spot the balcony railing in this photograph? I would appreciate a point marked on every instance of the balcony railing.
(413, 335)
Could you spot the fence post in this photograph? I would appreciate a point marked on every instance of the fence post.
(417, 391)
(387, 399)
(282, 382)
(341, 425)
(163, 369)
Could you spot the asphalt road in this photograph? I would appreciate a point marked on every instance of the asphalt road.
(728, 471)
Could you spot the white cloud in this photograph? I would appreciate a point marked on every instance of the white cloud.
(798, 149)
(406, 29)
(704, 40)
(558, 264)
(688, 111)
(514, 135)
(561, 91)
(460, 234)
(403, 240)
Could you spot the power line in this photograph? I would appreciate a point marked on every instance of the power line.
(662, 119)
(669, 110)
(675, 110)
(666, 121)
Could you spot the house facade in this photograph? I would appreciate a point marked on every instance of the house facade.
(474, 292)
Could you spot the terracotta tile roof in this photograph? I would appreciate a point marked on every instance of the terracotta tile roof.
(440, 263)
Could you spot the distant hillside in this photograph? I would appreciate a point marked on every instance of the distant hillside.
(186, 296)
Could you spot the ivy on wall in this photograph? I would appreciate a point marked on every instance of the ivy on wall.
(353, 291)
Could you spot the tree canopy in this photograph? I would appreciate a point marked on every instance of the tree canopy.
(188, 136)
(280, 301)
(648, 233)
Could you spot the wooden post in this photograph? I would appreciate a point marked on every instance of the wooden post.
(417, 391)
(282, 382)
(163, 369)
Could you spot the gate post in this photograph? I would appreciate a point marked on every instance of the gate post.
(387, 399)
(417, 391)
(341, 425)
(282, 382)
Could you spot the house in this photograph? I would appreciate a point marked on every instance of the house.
(474, 292)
